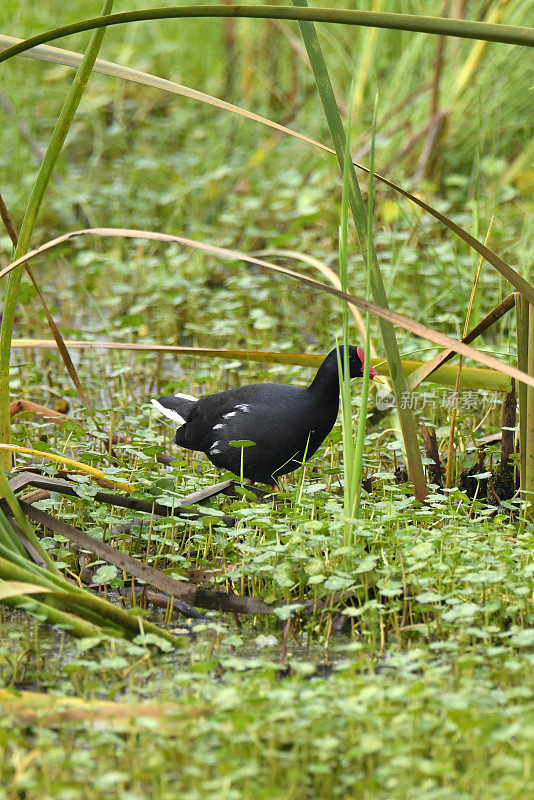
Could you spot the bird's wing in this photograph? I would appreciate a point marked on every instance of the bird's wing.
(252, 413)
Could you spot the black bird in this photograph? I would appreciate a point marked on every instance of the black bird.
(286, 423)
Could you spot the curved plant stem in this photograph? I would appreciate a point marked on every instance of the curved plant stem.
(431, 334)
(69, 58)
(472, 377)
(466, 29)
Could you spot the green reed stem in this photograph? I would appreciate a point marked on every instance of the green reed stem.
(7, 493)
(76, 600)
(521, 307)
(528, 484)
(9, 538)
(46, 169)
(343, 368)
(362, 420)
(465, 29)
(324, 87)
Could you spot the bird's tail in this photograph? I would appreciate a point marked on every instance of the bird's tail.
(176, 407)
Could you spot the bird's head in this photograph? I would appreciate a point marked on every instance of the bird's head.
(356, 364)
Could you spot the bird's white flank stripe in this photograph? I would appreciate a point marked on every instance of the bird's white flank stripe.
(230, 414)
(168, 412)
(219, 426)
(187, 397)
(244, 407)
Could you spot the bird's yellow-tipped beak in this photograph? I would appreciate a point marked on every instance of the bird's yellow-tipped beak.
(375, 376)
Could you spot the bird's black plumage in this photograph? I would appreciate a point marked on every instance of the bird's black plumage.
(286, 423)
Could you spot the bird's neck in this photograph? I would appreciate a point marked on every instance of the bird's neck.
(326, 382)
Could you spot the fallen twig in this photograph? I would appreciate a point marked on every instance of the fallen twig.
(182, 509)
(185, 594)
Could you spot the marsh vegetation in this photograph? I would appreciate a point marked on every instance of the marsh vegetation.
(371, 644)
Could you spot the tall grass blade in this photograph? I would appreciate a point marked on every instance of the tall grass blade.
(522, 324)
(14, 588)
(7, 493)
(362, 420)
(466, 74)
(427, 369)
(72, 600)
(71, 369)
(472, 377)
(45, 612)
(69, 58)
(528, 485)
(454, 407)
(9, 538)
(407, 420)
(55, 145)
(343, 368)
(413, 326)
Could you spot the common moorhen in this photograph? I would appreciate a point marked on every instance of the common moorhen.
(286, 423)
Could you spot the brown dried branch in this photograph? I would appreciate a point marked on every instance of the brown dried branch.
(182, 509)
